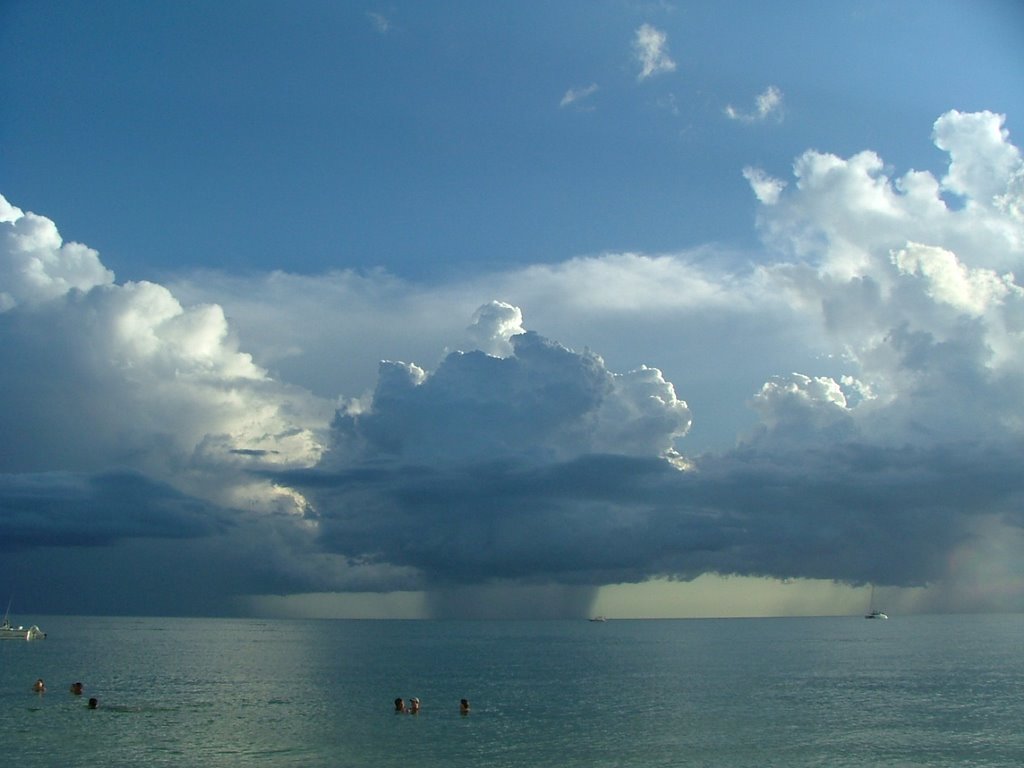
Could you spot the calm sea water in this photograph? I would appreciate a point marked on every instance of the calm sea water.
(914, 691)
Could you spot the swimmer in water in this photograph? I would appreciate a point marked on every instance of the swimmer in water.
(39, 686)
(464, 706)
(414, 706)
(93, 703)
(77, 688)
(399, 705)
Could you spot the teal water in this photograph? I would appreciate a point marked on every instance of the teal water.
(911, 691)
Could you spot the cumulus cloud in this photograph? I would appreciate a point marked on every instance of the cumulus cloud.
(946, 281)
(494, 325)
(38, 265)
(147, 384)
(767, 104)
(920, 297)
(846, 214)
(127, 415)
(878, 470)
(543, 402)
(650, 47)
(878, 349)
(766, 188)
(622, 303)
(151, 383)
(985, 167)
(804, 408)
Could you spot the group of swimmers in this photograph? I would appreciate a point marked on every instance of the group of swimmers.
(414, 706)
(39, 686)
(400, 708)
(412, 709)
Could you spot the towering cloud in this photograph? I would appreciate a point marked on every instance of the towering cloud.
(542, 465)
(916, 293)
(99, 373)
(889, 451)
(126, 415)
(542, 403)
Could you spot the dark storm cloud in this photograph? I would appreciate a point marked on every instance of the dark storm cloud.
(65, 509)
(545, 466)
(887, 451)
(852, 512)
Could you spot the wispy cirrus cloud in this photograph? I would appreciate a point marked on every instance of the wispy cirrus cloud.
(379, 22)
(578, 95)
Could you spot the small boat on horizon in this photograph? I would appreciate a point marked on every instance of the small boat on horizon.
(598, 618)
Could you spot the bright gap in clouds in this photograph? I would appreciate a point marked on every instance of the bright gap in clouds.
(492, 469)
(707, 596)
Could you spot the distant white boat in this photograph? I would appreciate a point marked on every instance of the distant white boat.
(598, 618)
(10, 632)
(874, 613)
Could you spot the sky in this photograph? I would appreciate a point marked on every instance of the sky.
(460, 310)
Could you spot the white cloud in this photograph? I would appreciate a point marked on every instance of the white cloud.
(881, 349)
(969, 291)
(766, 188)
(985, 167)
(380, 22)
(38, 265)
(848, 214)
(769, 101)
(494, 324)
(148, 384)
(650, 46)
(874, 472)
(577, 95)
(542, 402)
(804, 410)
(628, 301)
(767, 104)
(898, 319)
(920, 297)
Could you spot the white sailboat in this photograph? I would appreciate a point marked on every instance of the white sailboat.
(874, 613)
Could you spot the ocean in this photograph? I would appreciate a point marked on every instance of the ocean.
(910, 691)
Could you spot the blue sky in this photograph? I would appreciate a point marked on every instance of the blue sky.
(262, 135)
(669, 292)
